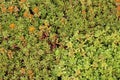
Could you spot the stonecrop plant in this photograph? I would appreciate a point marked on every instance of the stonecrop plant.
(59, 39)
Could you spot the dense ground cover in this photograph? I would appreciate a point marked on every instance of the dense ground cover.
(59, 40)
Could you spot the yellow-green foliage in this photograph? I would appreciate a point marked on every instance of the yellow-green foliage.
(59, 40)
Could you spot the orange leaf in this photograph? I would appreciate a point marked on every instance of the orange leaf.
(3, 9)
(12, 26)
(117, 0)
(118, 8)
(30, 74)
(10, 54)
(22, 70)
(30, 16)
(23, 1)
(83, 12)
(25, 14)
(31, 29)
(36, 10)
(11, 9)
